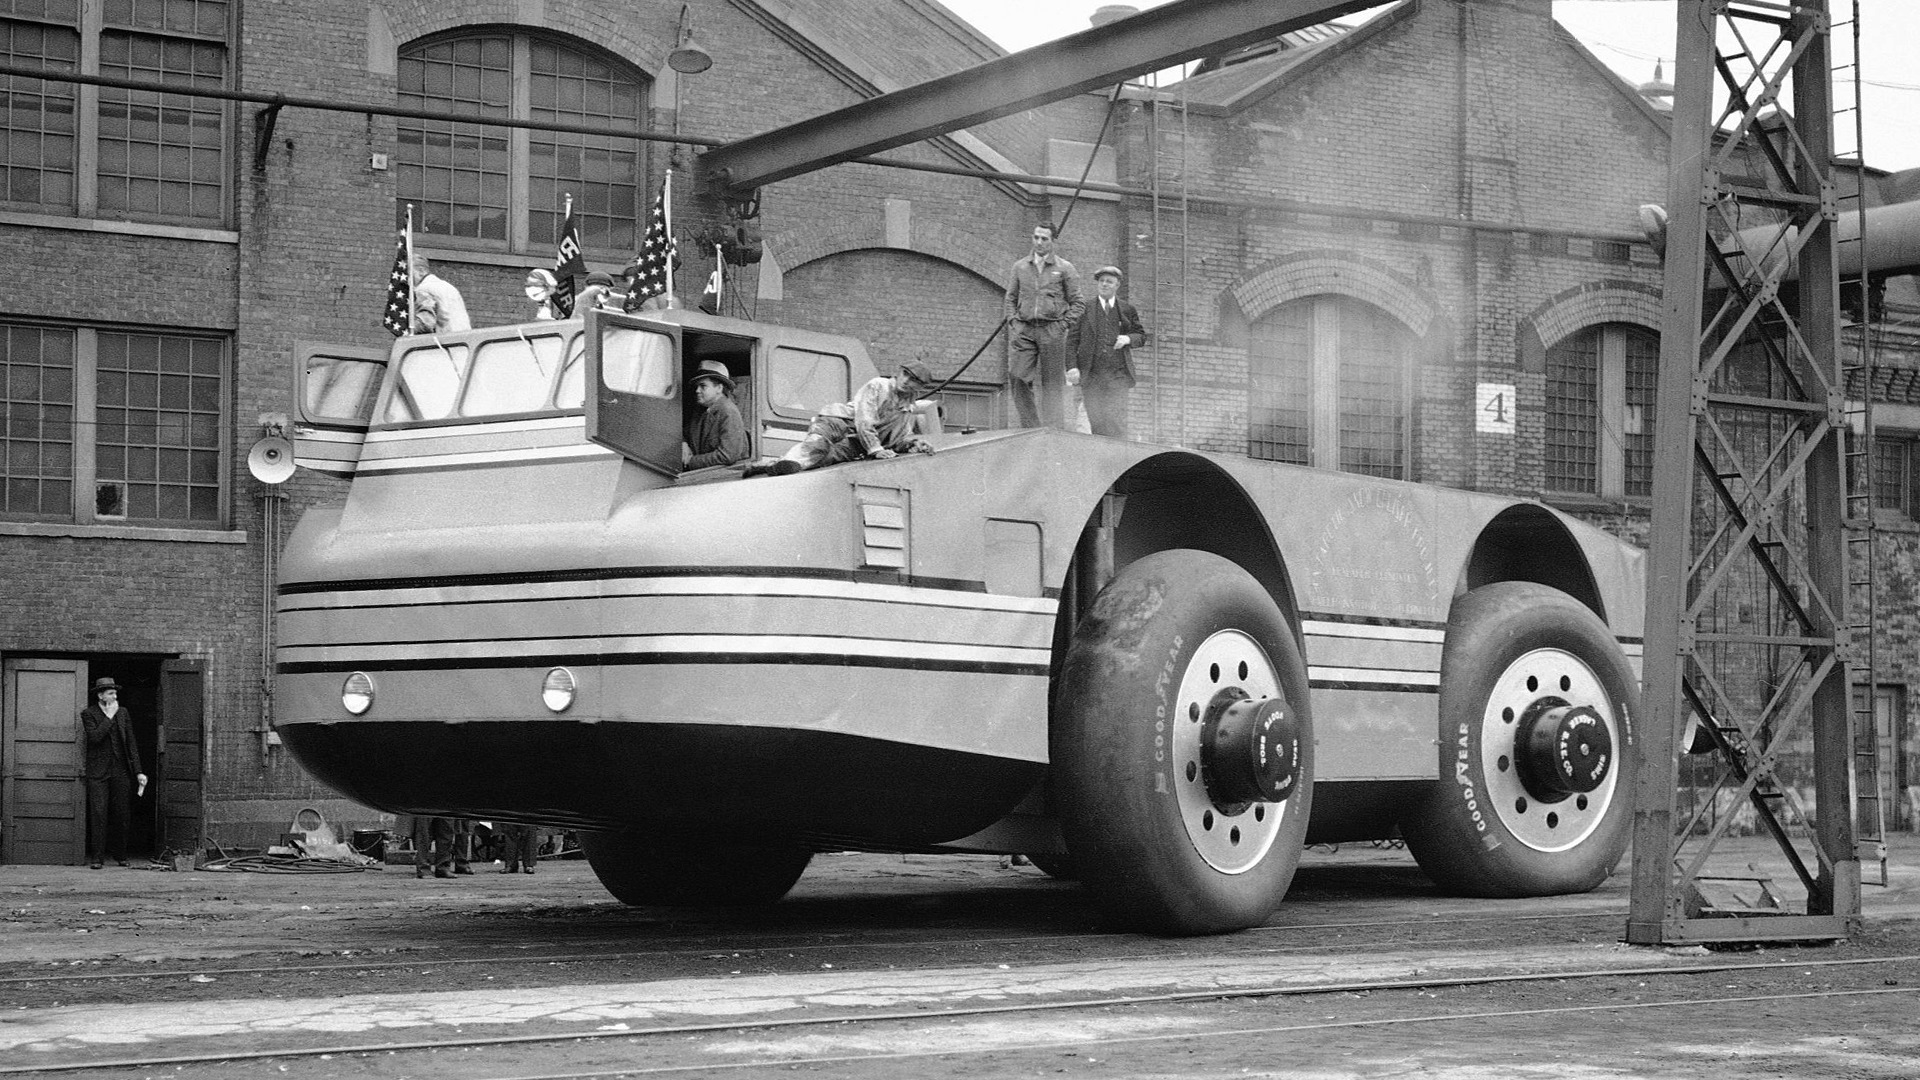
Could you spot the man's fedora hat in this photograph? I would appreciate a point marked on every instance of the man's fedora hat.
(715, 370)
(104, 683)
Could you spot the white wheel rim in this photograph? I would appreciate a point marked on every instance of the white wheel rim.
(1233, 839)
(1560, 824)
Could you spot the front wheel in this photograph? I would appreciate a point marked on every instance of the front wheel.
(1536, 748)
(654, 873)
(1182, 747)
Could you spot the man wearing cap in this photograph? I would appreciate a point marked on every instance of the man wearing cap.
(1103, 354)
(1043, 303)
(437, 306)
(113, 773)
(877, 423)
(598, 293)
(717, 436)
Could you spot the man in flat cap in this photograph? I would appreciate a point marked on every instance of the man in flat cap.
(878, 423)
(718, 436)
(1103, 354)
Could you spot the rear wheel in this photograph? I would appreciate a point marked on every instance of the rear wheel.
(1536, 748)
(653, 873)
(1182, 747)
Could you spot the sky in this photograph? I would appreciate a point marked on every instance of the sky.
(1627, 35)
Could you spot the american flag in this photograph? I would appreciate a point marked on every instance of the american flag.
(656, 249)
(567, 261)
(399, 317)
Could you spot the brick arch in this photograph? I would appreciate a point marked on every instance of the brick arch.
(1595, 302)
(942, 242)
(604, 28)
(1316, 272)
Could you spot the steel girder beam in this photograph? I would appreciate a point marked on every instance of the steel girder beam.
(1150, 41)
(1749, 488)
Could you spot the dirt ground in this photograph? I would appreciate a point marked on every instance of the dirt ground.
(232, 960)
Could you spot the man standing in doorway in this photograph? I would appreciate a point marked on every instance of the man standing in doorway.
(1043, 303)
(1103, 354)
(114, 778)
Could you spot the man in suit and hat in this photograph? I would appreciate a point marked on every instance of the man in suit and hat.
(1103, 354)
(113, 773)
(717, 436)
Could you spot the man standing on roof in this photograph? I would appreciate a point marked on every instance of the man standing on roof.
(877, 423)
(1043, 303)
(1103, 354)
(718, 436)
(437, 306)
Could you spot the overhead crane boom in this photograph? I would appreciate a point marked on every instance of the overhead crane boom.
(1092, 59)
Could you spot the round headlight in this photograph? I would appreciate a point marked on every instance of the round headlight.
(557, 689)
(356, 695)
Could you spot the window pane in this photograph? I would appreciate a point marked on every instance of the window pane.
(799, 382)
(1372, 398)
(167, 447)
(602, 174)
(1643, 364)
(147, 164)
(467, 76)
(511, 376)
(429, 383)
(37, 156)
(1280, 366)
(36, 459)
(1573, 410)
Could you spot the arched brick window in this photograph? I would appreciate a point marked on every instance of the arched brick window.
(1600, 392)
(502, 188)
(1330, 386)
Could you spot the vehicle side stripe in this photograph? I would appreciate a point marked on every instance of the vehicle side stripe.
(1368, 620)
(672, 580)
(582, 660)
(478, 459)
(1424, 634)
(479, 427)
(1373, 676)
(666, 644)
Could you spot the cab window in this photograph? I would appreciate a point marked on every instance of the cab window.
(341, 388)
(428, 383)
(512, 375)
(635, 361)
(800, 381)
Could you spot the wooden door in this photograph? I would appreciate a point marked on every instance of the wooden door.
(43, 807)
(178, 771)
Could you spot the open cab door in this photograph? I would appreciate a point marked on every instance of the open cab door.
(337, 388)
(633, 388)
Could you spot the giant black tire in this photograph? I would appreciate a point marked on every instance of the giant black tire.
(652, 873)
(1177, 649)
(1537, 751)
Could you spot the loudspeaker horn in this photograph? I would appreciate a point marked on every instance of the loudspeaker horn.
(271, 460)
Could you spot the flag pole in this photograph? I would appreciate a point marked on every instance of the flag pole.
(719, 278)
(409, 235)
(666, 212)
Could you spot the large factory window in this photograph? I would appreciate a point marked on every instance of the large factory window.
(123, 153)
(1600, 391)
(506, 189)
(112, 427)
(1330, 387)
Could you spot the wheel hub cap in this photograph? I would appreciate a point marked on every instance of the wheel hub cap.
(1563, 750)
(1250, 750)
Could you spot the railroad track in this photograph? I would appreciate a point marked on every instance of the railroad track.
(657, 1040)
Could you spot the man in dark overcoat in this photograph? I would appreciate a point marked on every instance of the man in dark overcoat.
(1103, 354)
(113, 773)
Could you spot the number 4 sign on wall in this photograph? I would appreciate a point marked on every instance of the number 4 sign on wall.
(1495, 415)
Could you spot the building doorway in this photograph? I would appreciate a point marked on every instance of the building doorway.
(42, 752)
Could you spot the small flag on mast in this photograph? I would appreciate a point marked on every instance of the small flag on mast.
(398, 319)
(654, 273)
(567, 262)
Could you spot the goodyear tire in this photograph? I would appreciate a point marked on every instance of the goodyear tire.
(1182, 747)
(1537, 704)
(648, 873)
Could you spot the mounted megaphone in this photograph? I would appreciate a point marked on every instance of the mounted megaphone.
(271, 460)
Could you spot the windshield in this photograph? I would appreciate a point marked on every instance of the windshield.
(512, 376)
